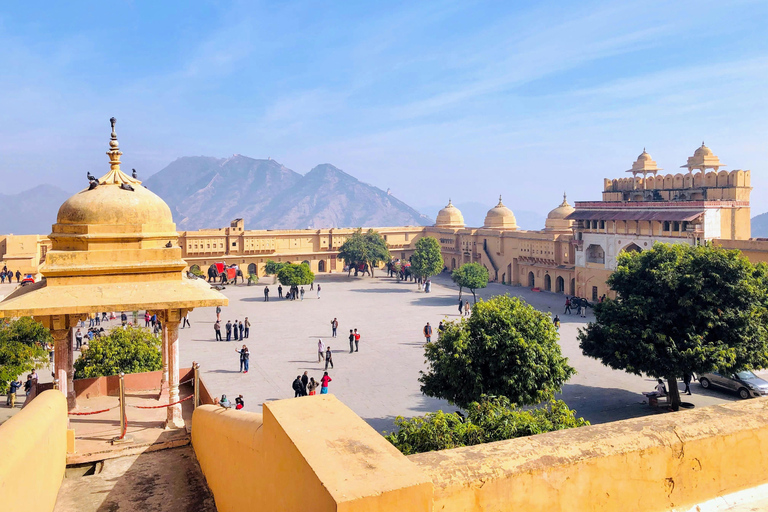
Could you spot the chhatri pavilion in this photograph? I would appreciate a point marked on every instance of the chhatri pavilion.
(114, 248)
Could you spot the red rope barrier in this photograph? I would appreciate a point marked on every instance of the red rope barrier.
(92, 412)
(161, 406)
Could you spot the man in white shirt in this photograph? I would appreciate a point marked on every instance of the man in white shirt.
(320, 351)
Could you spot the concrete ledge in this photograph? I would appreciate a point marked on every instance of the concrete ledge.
(664, 462)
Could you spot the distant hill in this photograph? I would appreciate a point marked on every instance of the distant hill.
(474, 215)
(206, 192)
(31, 212)
(760, 226)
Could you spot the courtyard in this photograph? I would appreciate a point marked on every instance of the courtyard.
(380, 382)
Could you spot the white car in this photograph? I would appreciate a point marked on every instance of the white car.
(745, 383)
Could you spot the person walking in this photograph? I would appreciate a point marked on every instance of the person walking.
(185, 322)
(334, 326)
(228, 328)
(280, 291)
(302, 293)
(247, 327)
(567, 306)
(266, 294)
(583, 309)
(312, 386)
(304, 382)
(466, 308)
(297, 387)
(18, 276)
(351, 341)
(324, 383)
(318, 291)
(241, 329)
(687, 380)
(428, 332)
(440, 329)
(556, 321)
(218, 313)
(461, 307)
(320, 350)
(78, 339)
(147, 318)
(357, 340)
(245, 356)
(328, 358)
(11, 398)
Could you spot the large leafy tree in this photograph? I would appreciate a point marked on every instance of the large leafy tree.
(491, 419)
(271, 267)
(427, 259)
(367, 248)
(682, 309)
(470, 275)
(22, 348)
(506, 347)
(295, 274)
(130, 350)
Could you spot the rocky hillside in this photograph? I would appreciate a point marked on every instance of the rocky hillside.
(760, 226)
(205, 192)
(31, 212)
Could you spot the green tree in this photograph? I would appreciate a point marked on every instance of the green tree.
(491, 419)
(368, 248)
(130, 350)
(682, 309)
(427, 259)
(295, 274)
(22, 348)
(472, 276)
(506, 347)
(195, 269)
(271, 268)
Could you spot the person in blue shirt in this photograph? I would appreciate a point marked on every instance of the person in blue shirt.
(11, 398)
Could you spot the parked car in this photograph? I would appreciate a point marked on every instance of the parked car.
(745, 383)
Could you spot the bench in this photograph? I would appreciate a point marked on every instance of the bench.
(654, 399)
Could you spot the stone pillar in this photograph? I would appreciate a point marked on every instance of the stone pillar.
(164, 380)
(63, 361)
(171, 333)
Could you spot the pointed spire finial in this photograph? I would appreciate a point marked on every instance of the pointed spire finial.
(702, 143)
(500, 204)
(565, 201)
(644, 149)
(449, 202)
(115, 176)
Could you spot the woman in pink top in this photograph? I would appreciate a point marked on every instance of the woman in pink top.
(324, 383)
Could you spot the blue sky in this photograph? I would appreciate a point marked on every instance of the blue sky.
(433, 100)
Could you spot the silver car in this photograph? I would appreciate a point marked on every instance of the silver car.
(745, 383)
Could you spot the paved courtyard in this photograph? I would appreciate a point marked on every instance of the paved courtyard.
(380, 381)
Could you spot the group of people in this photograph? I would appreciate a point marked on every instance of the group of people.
(580, 305)
(225, 403)
(239, 329)
(15, 385)
(464, 307)
(8, 275)
(294, 292)
(304, 385)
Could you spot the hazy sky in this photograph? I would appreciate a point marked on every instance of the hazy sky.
(461, 99)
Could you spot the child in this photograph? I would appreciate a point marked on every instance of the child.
(324, 383)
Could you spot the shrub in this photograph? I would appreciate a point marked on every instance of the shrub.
(22, 348)
(130, 350)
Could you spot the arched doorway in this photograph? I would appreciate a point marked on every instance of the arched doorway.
(503, 278)
(305, 262)
(547, 283)
(252, 269)
(633, 247)
(531, 280)
(560, 285)
(453, 263)
(321, 266)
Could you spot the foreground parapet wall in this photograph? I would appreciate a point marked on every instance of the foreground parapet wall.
(309, 453)
(33, 454)
(657, 463)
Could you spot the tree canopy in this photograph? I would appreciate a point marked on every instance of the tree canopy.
(22, 348)
(271, 267)
(682, 309)
(427, 259)
(472, 276)
(129, 350)
(367, 248)
(506, 347)
(295, 274)
(491, 419)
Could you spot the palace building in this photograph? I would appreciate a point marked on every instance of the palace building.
(573, 253)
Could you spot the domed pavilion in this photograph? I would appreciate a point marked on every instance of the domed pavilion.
(449, 217)
(114, 248)
(703, 159)
(557, 219)
(500, 217)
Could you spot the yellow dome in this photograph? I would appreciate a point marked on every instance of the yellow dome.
(557, 218)
(110, 204)
(500, 217)
(703, 159)
(450, 217)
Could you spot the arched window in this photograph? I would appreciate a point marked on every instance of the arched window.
(632, 248)
(595, 254)
(547, 283)
(321, 266)
(559, 285)
(531, 279)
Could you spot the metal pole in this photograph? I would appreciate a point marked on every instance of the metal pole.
(122, 404)
(196, 368)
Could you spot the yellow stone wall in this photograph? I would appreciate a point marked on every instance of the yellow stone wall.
(33, 446)
(24, 253)
(310, 453)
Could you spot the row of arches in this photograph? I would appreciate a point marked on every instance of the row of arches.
(720, 179)
(559, 283)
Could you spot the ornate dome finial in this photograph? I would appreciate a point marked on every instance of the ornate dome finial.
(500, 203)
(115, 176)
(565, 201)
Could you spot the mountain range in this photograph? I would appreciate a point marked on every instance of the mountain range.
(206, 192)
(31, 212)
